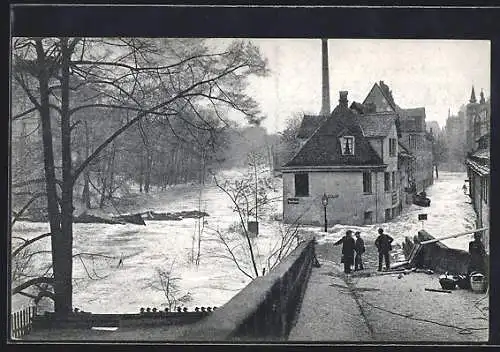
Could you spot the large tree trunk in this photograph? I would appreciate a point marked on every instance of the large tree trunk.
(65, 255)
(60, 221)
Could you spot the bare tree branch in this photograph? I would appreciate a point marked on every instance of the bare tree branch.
(28, 242)
(29, 111)
(18, 214)
(38, 280)
(118, 132)
(231, 253)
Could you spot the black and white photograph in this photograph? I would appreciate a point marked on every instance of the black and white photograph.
(245, 189)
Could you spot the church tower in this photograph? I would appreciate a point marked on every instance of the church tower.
(472, 96)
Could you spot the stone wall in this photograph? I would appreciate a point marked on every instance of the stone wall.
(266, 308)
(85, 320)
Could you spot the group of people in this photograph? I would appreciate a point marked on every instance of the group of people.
(353, 249)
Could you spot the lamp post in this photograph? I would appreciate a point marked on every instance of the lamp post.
(324, 201)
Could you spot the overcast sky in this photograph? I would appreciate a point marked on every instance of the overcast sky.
(435, 74)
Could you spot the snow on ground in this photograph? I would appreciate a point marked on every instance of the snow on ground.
(450, 212)
(167, 244)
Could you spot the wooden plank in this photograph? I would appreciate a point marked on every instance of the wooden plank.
(437, 290)
(414, 253)
(28, 327)
(23, 322)
(452, 236)
(16, 324)
(12, 324)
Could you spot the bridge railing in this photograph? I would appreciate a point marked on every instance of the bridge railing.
(266, 308)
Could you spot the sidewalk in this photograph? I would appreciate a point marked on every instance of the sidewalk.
(367, 307)
(329, 311)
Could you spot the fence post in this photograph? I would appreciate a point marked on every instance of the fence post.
(21, 321)
(15, 324)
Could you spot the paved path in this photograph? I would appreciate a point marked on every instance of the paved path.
(367, 306)
(329, 310)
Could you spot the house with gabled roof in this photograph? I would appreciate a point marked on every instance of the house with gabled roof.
(350, 157)
(414, 135)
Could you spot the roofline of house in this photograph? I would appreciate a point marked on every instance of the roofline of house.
(330, 168)
(481, 170)
(393, 106)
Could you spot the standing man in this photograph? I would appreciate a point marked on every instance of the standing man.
(383, 244)
(477, 254)
(348, 245)
(359, 248)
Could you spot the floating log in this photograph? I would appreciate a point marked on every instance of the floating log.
(394, 272)
(132, 219)
(151, 215)
(92, 219)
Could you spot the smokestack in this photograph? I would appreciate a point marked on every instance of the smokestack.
(343, 98)
(325, 105)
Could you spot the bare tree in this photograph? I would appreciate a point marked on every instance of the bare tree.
(288, 142)
(167, 283)
(250, 197)
(149, 77)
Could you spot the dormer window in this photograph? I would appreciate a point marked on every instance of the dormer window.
(347, 145)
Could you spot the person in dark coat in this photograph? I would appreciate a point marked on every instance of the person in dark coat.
(477, 254)
(348, 245)
(383, 244)
(359, 248)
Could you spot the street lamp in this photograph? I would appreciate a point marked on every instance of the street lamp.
(324, 201)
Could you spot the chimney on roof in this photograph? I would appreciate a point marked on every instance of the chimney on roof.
(343, 98)
(325, 104)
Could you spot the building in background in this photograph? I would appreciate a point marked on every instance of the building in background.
(351, 158)
(478, 160)
(455, 132)
(354, 155)
(414, 136)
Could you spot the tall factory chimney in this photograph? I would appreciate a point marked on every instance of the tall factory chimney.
(325, 105)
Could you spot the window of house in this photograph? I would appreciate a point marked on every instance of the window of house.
(388, 214)
(392, 146)
(412, 141)
(393, 180)
(387, 181)
(302, 185)
(347, 145)
(368, 218)
(367, 182)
